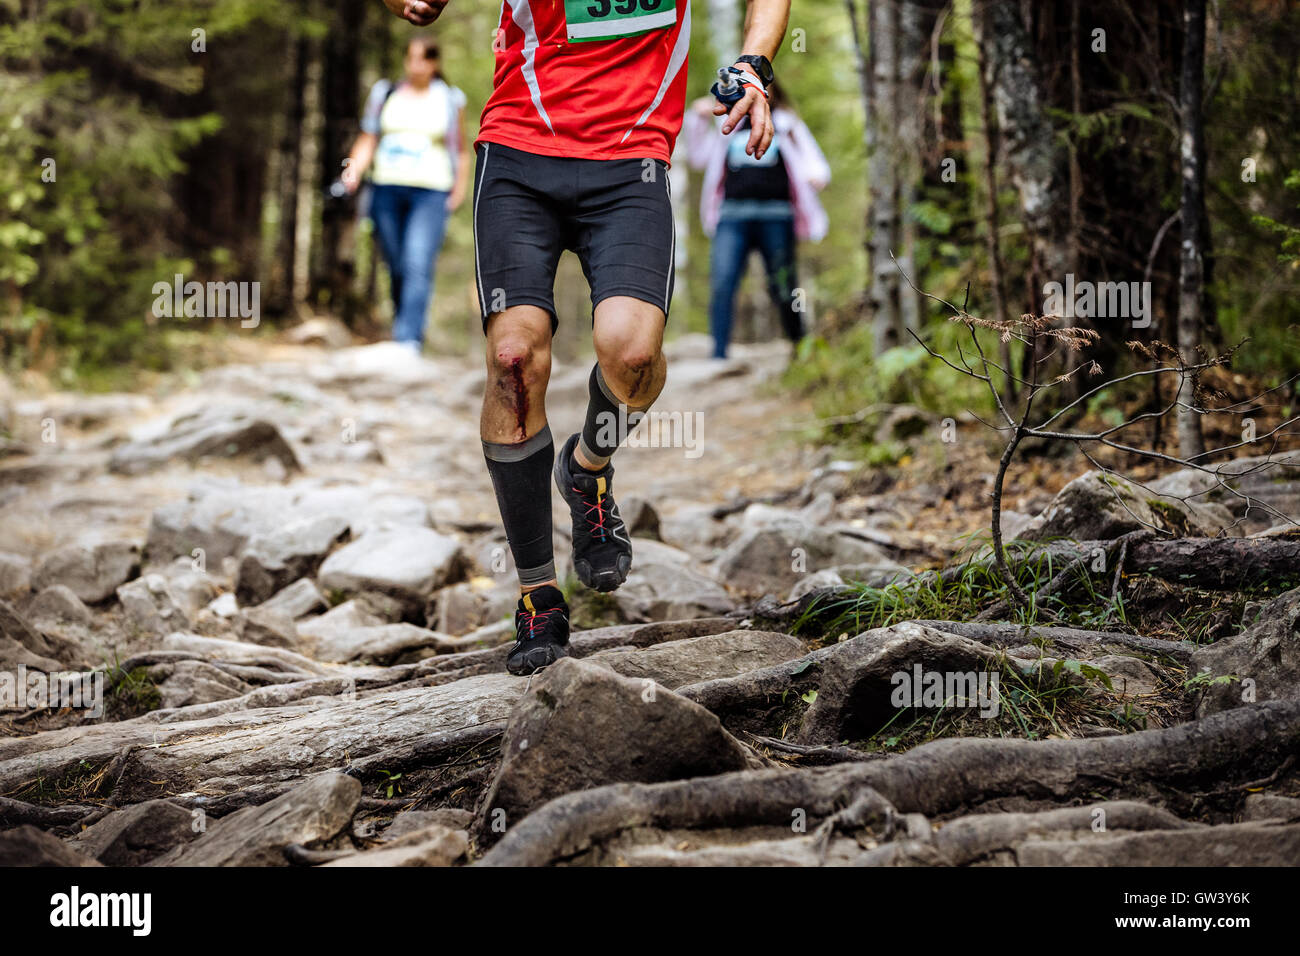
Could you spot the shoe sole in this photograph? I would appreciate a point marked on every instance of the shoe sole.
(607, 579)
(534, 659)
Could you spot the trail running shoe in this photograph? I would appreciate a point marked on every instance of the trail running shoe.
(541, 631)
(602, 549)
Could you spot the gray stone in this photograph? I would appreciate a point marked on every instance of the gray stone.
(463, 607)
(580, 725)
(149, 605)
(28, 846)
(1129, 676)
(778, 556)
(15, 575)
(378, 644)
(1098, 507)
(411, 821)
(92, 573)
(1258, 488)
(1267, 653)
(640, 517)
(665, 585)
(214, 432)
(408, 563)
(269, 626)
(1269, 806)
(256, 836)
(337, 623)
(184, 683)
(136, 834)
(826, 578)
(297, 600)
(274, 560)
(22, 644)
(677, 663)
(434, 845)
(58, 605)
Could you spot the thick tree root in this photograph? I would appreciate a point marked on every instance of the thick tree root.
(937, 778)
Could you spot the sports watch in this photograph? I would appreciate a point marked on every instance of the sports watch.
(762, 67)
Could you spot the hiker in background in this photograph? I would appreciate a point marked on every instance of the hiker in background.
(413, 144)
(764, 204)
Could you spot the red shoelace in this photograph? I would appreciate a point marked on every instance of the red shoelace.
(534, 615)
(599, 523)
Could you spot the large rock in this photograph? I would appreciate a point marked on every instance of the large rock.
(28, 846)
(1267, 654)
(137, 834)
(581, 725)
(666, 586)
(1098, 507)
(677, 663)
(777, 556)
(91, 573)
(379, 644)
(217, 522)
(149, 605)
(15, 575)
(408, 563)
(256, 836)
(1257, 488)
(275, 560)
(469, 605)
(297, 600)
(215, 432)
(21, 644)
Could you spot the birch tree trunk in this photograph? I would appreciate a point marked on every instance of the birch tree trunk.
(1191, 272)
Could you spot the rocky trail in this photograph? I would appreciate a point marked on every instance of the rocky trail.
(285, 582)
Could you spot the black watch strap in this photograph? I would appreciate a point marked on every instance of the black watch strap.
(762, 67)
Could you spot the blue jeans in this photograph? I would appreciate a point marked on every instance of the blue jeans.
(732, 244)
(410, 223)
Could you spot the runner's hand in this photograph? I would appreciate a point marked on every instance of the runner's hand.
(419, 12)
(754, 105)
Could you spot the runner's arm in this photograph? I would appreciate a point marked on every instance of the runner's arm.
(765, 23)
(363, 151)
(461, 185)
(419, 12)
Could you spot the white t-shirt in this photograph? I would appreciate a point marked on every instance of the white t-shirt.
(417, 132)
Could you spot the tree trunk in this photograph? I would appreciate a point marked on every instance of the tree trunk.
(1033, 155)
(1191, 272)
(916, 22)
(342, 106)
(882, 170)
(992, 240)
(281, 299)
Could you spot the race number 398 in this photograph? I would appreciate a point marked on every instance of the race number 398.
(592, 20)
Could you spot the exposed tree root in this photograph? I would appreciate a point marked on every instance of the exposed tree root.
(936, 778)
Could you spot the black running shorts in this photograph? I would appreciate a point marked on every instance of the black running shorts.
(615, 214)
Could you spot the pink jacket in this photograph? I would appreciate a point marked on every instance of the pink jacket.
(706, 149)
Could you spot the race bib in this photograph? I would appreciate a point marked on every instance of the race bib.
(589, 20)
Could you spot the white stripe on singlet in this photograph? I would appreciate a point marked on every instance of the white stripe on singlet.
(680, 49)
(522, 14)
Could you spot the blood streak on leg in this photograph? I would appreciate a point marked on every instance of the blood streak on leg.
(520, 396)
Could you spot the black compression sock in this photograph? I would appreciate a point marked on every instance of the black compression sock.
(521, 478)
(604, 428)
